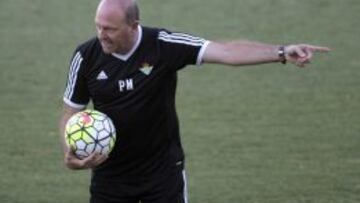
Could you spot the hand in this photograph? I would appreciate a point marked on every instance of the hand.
(301, 54)
(73, 162)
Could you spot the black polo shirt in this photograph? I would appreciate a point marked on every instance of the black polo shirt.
(137, 91)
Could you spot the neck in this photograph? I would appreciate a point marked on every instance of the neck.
(133, 42)
(127, 48)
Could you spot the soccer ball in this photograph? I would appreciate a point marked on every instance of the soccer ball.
(90, 131)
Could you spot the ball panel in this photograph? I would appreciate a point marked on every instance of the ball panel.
(85, 120)
(90, 148)
(102, 135)
(107, 126)
(88, 139)
(112, 143)
(73, 128)
(76, 135)
(92, 132)
(105, 142)
(99, 148)
(98, 125)
(80, 144)
(106, 150)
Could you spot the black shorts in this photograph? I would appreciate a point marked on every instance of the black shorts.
(168, 189)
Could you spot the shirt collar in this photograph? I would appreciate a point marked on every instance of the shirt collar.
(126, 56)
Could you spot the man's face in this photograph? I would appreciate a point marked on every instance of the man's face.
(114, 33)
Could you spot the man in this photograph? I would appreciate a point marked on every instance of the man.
(129, 73)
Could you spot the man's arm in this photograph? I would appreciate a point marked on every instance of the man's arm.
(239, 53)
(70, 159)
(67, 112)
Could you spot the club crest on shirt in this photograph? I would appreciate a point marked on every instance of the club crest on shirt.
(146, 68)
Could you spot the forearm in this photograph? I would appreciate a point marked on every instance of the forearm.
(67, 112)
(62, 124)
(241, 53)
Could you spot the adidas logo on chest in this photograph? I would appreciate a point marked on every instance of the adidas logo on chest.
(102, 76)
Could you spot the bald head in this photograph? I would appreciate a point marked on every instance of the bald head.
(127, 8)
(117, 24)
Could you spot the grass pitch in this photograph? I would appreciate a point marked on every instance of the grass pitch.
(260, 134)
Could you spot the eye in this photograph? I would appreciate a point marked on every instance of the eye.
(106, 29)
(110, 29)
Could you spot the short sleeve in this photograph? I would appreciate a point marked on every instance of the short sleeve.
(180, 49)
(76, 93)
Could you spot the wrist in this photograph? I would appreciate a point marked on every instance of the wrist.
(281, 54)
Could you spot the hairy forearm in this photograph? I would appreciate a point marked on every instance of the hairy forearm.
(247, 53)
(62, 124)
(238, 53)
(67, 112)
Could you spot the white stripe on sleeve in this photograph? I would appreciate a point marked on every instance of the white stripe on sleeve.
(72, 104)
(72, 77)
(70, 74)
(181, 38)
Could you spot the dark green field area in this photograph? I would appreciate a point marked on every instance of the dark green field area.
(257, 134)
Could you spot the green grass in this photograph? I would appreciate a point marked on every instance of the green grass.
(261, 134)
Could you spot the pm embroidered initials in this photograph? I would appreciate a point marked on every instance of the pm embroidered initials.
(126, 85)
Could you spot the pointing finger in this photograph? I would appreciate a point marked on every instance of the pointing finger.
(318, 48)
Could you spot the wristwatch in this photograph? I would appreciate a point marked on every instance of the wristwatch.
(281, 54)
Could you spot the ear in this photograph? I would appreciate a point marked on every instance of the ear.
(134, 25)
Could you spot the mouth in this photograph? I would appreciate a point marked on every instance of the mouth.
(106, 45)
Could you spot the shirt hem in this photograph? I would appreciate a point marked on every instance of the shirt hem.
(201, 53)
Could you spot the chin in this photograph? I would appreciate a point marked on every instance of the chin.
(107, 50)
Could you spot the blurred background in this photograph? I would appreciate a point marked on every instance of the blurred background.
(269, 133)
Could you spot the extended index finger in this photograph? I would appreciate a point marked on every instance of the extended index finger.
(318, 48)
